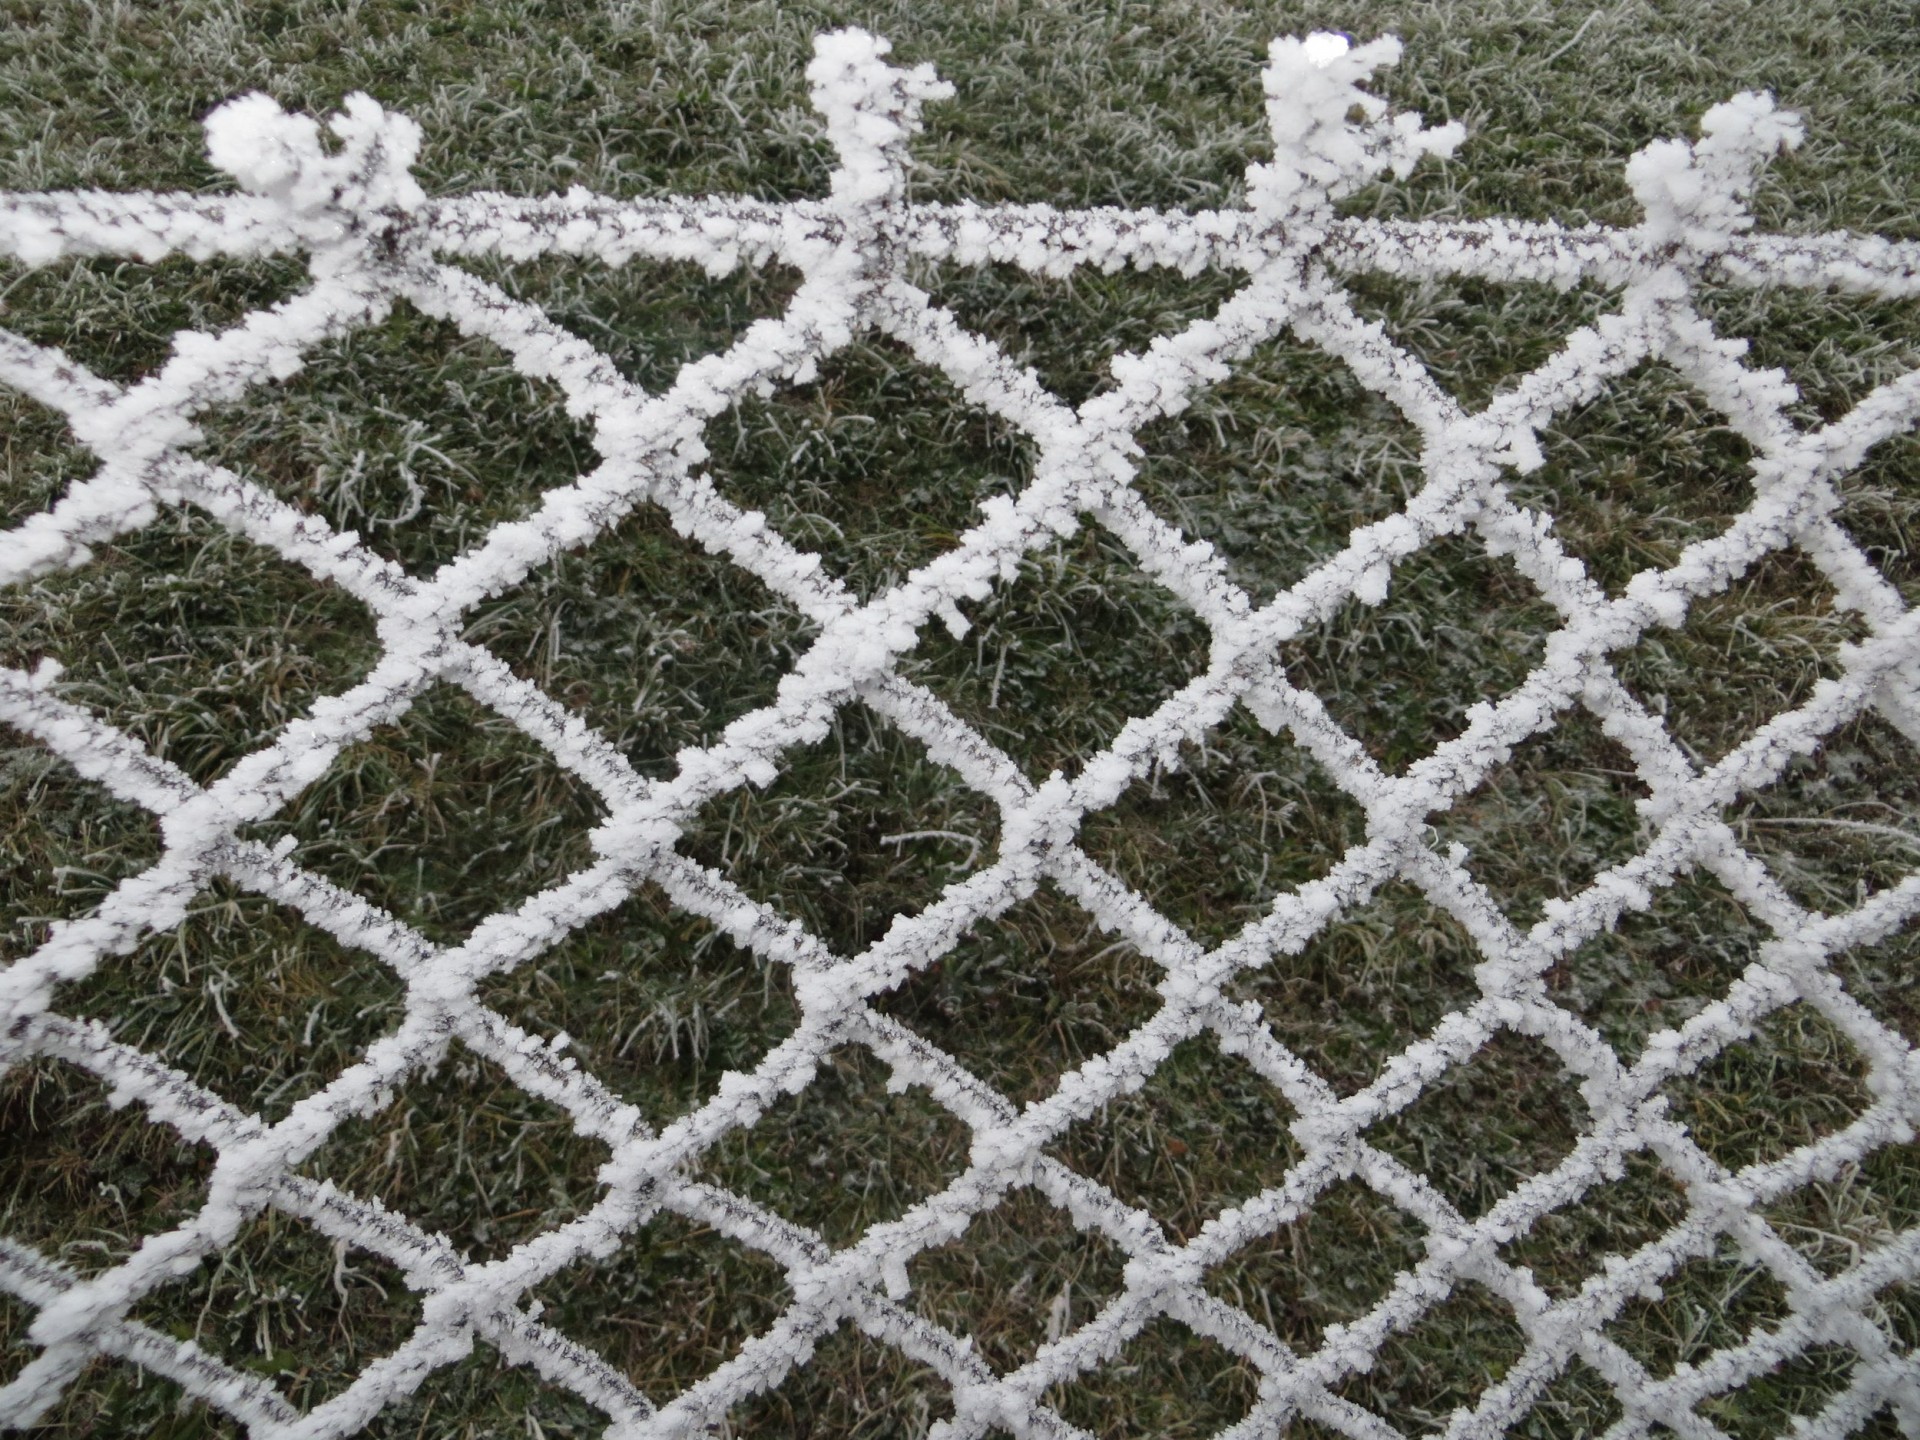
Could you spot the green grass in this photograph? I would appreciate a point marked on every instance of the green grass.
(201, 645)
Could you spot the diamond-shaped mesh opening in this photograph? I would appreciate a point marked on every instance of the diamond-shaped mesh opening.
(1020, 1276)
(1835, 347)
(84, 1183)
(1706, 1304)
(1328, 1266)
(878, 465)
(1896, 1310)
(1866, 1205)
(1883, 1424)
(1034, 992)
(1745, 655)
(16, 1351)
(1457, 628)
(1657, 967)
(648, 317)
(284, 1302)
(1578, 1403)
(246, 998)
(115, 1398)
(1126, 144)
(655, 1003)
(1841, 823)
(415, 437)
(1443, 1363)
(676, 1301)
(196, 641)
(1634, 476)
(1167, 1381)
(1205, 1132)
(1565, 1247)
(1277, 464)
(654, 642)
(1506, 1114)
(64, 843)
(854, 1385)
(1798, 1078)
(1881, 511)
(1477, 337)
(843, 1155)
(1549, 819)
(1768, 1404)
(1070, 329)
(1245, 817)
(1369, 985)
(465, 1151)
(118, 317)
(1058, 660)
(38, 458)
(1886, 978)
(858, 829)
(485, 1397)
(410, 818)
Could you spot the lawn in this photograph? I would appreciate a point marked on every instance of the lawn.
(201, 645)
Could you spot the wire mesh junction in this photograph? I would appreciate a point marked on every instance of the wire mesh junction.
(374, 238)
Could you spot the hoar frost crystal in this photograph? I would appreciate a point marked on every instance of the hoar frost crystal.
(374, 238)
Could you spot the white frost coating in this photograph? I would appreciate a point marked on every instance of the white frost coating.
(1320, 154)
(1696, 193)
(372, 237)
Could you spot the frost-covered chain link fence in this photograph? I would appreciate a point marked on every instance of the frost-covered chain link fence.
(374, 238)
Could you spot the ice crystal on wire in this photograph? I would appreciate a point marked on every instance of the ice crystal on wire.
(372, 238)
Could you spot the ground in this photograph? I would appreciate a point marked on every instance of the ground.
(201, 644)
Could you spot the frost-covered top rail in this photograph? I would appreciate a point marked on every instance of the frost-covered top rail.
(374, 238)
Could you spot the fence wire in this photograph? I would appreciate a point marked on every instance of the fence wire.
(373, 238)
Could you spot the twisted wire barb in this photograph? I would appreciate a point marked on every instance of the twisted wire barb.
(372, 237)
